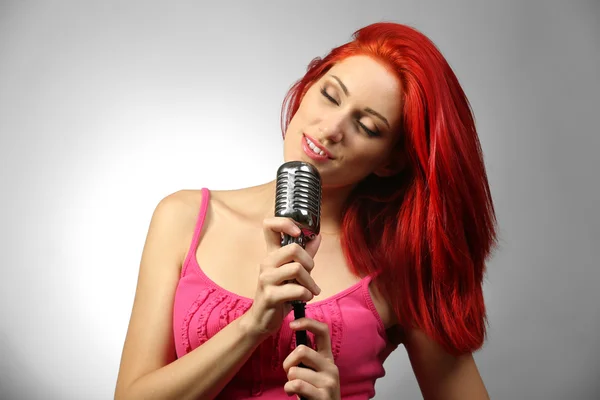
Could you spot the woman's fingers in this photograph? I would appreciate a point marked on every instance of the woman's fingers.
(274, 227)
(313, 245)
(287, 254)
(320, 379)
(310, 376)
(319, 359)
(304, 389)
(292, 272)
(321, 332)
(284, 276)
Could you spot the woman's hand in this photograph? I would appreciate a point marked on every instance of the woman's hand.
(322, 380)
(284, 276)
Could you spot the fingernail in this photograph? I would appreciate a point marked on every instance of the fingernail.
(294, 324)
(318, 290)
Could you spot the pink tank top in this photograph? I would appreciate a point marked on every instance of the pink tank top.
(358, 337)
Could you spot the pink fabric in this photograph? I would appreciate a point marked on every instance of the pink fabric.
(359, 343)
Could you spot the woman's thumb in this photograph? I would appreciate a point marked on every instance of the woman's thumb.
(313, 245)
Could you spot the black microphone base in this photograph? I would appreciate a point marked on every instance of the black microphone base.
(301, 336)
(299, 306)
(299, 312)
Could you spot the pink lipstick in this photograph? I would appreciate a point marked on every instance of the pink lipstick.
(313, 150)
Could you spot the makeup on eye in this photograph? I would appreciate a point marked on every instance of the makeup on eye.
(368, 131)
(368, 109)
(328, 96)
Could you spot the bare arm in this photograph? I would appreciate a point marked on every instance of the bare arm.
(441, 375)
(148, 367)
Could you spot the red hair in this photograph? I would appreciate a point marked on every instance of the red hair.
(426, 232)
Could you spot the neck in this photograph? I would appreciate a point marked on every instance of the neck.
(332, 202)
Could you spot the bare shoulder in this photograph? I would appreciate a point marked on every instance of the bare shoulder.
(240, 205)
(181, 201)
(175, 216)
(177, 213)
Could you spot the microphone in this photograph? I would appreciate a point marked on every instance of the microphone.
(298, 196)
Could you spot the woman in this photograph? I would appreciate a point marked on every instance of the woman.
(407, 222)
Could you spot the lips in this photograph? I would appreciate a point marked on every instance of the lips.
(314, 145)
(312, 152)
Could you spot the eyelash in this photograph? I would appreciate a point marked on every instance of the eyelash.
(367, 130)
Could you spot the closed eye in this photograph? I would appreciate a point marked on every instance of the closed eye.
(324, 93)
(368, 131)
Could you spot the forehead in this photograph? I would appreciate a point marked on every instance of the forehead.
(370, 83)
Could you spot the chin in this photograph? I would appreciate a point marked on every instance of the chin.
(293, 155)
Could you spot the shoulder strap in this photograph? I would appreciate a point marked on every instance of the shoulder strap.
(197, 229)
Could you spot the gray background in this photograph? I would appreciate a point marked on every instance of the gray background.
(106, 107)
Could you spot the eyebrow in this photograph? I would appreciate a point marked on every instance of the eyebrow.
(368, 109)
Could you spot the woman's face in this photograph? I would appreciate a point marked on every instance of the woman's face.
(351, 118)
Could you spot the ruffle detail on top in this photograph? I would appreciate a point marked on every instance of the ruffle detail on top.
(189, 315)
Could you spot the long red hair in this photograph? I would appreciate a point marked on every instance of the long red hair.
(426, 232)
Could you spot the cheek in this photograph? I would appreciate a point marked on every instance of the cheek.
(295, 124)
(298, 119)
(366, 151)
(310, 107)
(369, 158)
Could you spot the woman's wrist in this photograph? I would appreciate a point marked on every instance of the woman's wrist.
(250, 330)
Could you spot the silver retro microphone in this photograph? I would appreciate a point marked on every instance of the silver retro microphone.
(298, 196)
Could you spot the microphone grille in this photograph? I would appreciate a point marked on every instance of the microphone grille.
(298, 194)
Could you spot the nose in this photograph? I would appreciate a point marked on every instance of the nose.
(331, 132)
